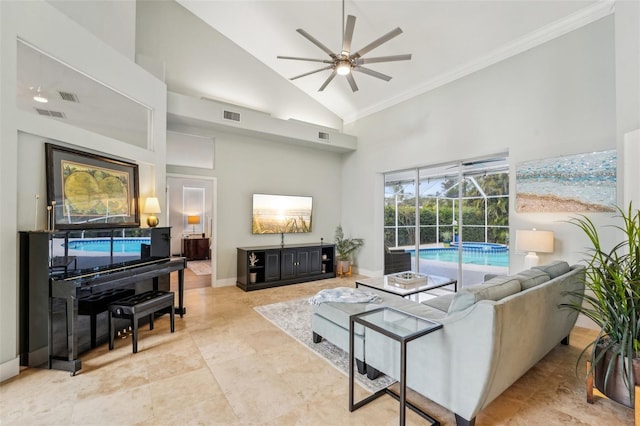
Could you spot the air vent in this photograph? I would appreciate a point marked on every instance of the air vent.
(231, 116)
(49, 113)
(67, 96)
(324, 136)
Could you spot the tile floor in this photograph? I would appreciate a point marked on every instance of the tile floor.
(227, 365)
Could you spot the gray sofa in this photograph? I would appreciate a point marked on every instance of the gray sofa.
(493, 334)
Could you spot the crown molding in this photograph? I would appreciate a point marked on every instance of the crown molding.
(549, 32)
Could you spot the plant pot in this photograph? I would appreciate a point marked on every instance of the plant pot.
(343, 266)
(252, 277)
(615, 388)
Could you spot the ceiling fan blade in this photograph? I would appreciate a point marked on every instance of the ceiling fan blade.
(352, 82)
(348, 33)
(372, 73)
(316, 42)
(383, 59)
(385, 38)
(327, 81)
(294, 58)
(311, 72)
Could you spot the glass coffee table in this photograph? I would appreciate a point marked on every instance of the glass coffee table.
(413, 283)
(403, 328)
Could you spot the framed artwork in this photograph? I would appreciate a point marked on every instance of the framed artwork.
(573, 183)
(90, 191)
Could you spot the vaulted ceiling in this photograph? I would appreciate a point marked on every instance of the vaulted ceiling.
(447, 40)
(227, 50)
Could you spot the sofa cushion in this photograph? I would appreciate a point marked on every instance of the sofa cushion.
(417, 309)
(441, 303)
(554, 269)
(339, 312)
(531, 278)
(494, 289)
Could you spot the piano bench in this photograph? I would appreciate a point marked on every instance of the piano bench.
(137, 306)
(95, 304)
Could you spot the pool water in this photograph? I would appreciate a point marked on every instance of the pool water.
(119, 245)
(486, 254)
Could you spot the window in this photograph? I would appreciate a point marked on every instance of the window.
(454, 216)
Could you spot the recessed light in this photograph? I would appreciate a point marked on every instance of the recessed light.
(39, 97)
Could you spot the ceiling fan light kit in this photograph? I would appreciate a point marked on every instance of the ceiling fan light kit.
(346, 62)
(343, 67)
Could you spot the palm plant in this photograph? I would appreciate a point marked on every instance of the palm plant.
(613, 298)
(346, 246)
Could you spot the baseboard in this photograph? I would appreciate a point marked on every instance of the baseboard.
(9, 369)
(225, 282)
(585, 322)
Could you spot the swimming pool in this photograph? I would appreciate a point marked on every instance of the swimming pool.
(127, 245)
(487, 254)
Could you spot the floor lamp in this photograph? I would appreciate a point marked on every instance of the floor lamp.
(533, 241)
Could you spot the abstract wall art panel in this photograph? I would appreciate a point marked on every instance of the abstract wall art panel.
(574, 183)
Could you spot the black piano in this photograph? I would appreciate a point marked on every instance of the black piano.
(57, 269)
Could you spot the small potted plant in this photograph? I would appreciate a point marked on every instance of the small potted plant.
(446, 238)
(253, 262)
(345, 247)
(612, 301)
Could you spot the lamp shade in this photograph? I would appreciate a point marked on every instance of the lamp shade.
(151, 205)
(532, 240)
(193, 220)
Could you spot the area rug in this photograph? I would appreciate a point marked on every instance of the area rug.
(294, 318)
(200, 267)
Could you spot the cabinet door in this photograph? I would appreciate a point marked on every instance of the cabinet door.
(202, 248)
(272, 265)
(288, 264)
(308, 262)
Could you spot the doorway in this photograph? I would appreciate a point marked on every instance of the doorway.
(191, 214)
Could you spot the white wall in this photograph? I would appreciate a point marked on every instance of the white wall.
(22, 135)
(169, 33)
(553, 100)
(247, 165)
(101, 17)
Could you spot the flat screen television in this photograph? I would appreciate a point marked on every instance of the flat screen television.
(281, 214)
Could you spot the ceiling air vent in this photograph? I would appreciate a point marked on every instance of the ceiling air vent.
(324, 136)
(48, 113)
(231, 116)
(67, 96)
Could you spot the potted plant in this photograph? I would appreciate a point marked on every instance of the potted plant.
(612, 301)
(345, 247)
(253, 262)
(446, 238)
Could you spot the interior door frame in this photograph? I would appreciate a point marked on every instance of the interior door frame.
(214, 213)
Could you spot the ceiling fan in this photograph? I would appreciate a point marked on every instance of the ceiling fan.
(345, 62)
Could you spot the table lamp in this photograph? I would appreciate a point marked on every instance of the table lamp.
(151, 206)
(193, 220)
(533, 241)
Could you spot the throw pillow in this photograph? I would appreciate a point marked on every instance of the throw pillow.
(531, 278)
(554, 269)
(494, 289)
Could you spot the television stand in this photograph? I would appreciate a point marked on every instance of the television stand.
(272, 266)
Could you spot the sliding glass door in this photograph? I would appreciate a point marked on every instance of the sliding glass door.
(452, 219)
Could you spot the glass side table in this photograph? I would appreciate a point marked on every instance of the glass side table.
(403, 328)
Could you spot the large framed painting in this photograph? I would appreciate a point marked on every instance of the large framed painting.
(573, 183)
(87, 190)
